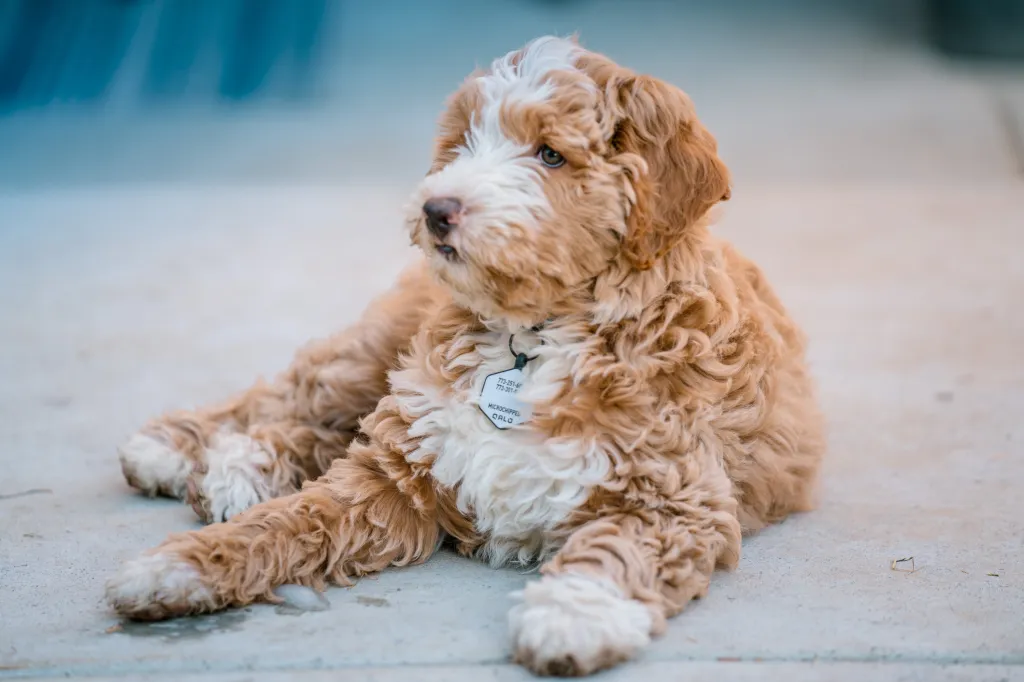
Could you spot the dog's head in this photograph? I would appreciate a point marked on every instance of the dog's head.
(553, 167)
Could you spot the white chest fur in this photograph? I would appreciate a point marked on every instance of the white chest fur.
(517, 483)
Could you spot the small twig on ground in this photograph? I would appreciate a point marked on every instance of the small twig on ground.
(894, 566)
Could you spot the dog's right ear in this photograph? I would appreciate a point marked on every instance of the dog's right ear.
(671, 159)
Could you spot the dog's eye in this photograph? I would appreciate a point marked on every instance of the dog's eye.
(549, 157)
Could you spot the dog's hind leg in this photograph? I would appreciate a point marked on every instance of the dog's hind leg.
(369, 511)
(266, 441)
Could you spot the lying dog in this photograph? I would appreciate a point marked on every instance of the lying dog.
(577, 373)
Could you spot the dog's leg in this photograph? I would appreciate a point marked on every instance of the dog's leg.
(620, 575)
(366, 513)
(267, 441)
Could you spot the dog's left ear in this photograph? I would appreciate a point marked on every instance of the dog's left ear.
(672, 161)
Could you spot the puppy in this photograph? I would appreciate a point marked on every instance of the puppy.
(576, 373)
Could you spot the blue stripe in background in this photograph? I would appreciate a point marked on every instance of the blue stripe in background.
(74, 51)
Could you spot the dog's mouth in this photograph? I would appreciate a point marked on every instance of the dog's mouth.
(448, 252)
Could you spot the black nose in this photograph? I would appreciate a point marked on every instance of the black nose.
(442, 215)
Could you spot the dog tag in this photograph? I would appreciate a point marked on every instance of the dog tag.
(499, 399)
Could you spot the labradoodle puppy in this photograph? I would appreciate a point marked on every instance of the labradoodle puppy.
(575, 373)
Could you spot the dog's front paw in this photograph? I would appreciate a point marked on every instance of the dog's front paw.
(158, 586)
(572, 624)
(234, 478)
(154, 467)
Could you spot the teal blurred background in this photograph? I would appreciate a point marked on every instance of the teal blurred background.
(305, 90)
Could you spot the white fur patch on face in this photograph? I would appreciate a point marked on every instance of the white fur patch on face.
(575, 624)
(516, 483)
(154, 467)
(497, 178)
(237, 476)
(156, 586)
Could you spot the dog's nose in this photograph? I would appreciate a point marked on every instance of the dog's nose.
(442, 215)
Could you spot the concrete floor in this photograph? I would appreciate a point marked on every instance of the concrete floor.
(879, 188)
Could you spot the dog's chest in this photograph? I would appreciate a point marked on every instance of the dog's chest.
(515, 482)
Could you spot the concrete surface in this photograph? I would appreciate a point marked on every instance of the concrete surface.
(880, 192)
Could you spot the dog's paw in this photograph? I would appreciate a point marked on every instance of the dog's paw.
(234, 478)
(570, 625)
(158, 586)
(153, 466)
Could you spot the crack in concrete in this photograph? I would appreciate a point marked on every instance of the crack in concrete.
(26, 493)
(961, 659)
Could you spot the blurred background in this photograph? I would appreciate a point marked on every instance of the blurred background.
(298, 90)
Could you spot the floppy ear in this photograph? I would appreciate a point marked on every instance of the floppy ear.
(672, 159)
